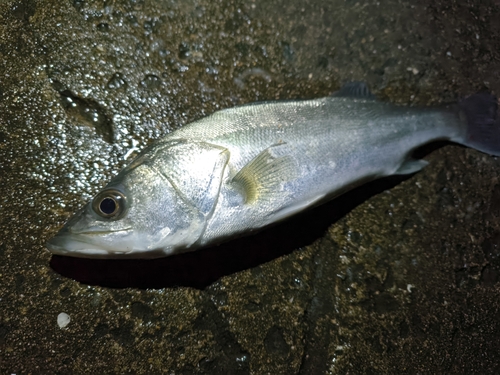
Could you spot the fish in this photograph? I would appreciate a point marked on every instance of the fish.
(244, 168)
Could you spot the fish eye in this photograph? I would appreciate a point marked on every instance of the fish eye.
(109, 204)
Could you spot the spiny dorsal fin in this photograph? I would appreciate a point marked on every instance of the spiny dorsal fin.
(355, 89)
(263, 177)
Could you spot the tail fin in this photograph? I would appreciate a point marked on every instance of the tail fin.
(483, 126)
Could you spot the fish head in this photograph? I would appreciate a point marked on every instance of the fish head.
(144, 212)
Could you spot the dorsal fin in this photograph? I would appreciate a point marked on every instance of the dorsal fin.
(355, 89)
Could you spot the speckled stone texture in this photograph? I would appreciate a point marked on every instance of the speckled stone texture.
(398, 276)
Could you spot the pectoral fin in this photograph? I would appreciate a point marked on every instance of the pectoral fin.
(263, 178)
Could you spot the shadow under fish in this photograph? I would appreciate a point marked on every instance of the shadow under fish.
(200, 269)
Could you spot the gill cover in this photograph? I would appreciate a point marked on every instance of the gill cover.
(191, 174)
(194, 169)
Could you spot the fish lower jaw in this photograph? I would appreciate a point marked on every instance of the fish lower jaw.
(72, 245)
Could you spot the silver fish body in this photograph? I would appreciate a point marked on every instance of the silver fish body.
(244, 168)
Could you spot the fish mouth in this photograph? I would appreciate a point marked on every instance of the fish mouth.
(82, 245)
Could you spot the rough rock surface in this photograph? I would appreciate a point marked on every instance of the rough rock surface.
(399, 276)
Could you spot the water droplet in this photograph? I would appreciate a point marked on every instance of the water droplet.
(87, 112)
(323, 62)
(184, 51)
(117, 81)
(287, 50)
(151, 82)
(103, 27)
(78, 4)
(164, 52)
(242, 358)
(148, 26)
(132, 20)
(137, 4)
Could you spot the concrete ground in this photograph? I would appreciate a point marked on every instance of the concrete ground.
(399, 276)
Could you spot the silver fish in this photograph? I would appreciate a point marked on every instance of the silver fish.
(244, 168)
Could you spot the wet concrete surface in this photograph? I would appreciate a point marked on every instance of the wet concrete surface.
(399, 276)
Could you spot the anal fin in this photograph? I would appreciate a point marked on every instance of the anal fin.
(411, 166)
